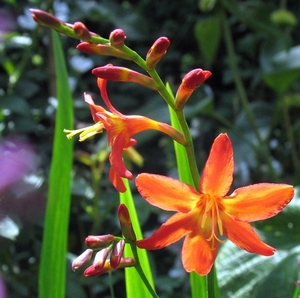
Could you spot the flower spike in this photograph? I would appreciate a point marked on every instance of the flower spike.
(206, 215)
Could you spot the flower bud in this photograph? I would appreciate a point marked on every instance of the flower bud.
(123, 74)
(117, 38)
(100, 258)
(125, 223)
(92, 271)
(99, 241)
(117, 253)
(190, 82)
(81, 31)
(46, 19)
(102, 49)
(156, 52)
(82, 259)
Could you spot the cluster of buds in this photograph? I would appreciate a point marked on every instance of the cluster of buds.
(93, 43)
(108, 249)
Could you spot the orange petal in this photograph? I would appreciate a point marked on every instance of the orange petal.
(167, 193)
(116, 159)
(244, 236)
(258, 201)
(93, 107)
(171, 231)
(197, 254)
(116, 180)
(217, 174)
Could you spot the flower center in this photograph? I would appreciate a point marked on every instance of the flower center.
(211, 212)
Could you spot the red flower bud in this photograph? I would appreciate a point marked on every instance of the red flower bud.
(125, 223)
(117, 253)
(123, 74)
(99, 241)
(156, 52)
(117, 38)
(46, 19)
(81, 31)
(190, 82)
(93, 271)
(82, 259)
(102, 49)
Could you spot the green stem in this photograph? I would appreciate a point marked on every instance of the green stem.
(140, 270)
(237, 78)
(111, 288)
(189, 147)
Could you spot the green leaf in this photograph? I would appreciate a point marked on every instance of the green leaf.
(135, 287)
(52, 271)
(282, 69)
(207, 33)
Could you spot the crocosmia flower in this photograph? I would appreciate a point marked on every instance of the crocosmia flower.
(205, 216)
(120, 130)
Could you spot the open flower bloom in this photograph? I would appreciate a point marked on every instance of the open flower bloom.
(204, 216)
(120, 129)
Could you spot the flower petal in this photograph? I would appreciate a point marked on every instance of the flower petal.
(244, 236)
(258, 201)
(167, 193)
(116, 159)
(197, 254)
(116, 180)
(93, 107)
(218, 171)
(171, 231)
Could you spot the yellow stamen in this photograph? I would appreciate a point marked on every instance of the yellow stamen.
(86, 132)
(211, 210)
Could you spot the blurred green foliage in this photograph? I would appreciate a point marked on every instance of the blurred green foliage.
(252, 48)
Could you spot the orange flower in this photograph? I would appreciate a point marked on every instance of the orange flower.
(206, 215)
(120, 129)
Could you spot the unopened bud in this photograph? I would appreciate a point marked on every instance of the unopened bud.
(190, 82)
(117, 38)
(81, 31)
(156, 52)
(92, 271)
(117, 253)
(46, 19)
(99, 241)
(123, 74)
(100, 258)
(82, 259)
(125, 223)
(102, 49)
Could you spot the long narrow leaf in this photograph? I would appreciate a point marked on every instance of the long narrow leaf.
(134, 284)
(52, 273)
